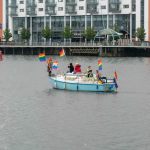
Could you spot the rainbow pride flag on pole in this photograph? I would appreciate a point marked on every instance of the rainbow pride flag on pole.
(61, 52)
(55, 65)
(99, 64)
(42, 57)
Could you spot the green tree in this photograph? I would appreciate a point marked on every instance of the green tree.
(89, 34)
(25, 34)
(140, 34)
(116, 27)
(47, 33)
(7, 34)
(67, 33)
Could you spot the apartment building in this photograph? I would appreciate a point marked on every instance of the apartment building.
(127, 15)
(1, 18)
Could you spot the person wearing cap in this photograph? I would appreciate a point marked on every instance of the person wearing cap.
(89, 72)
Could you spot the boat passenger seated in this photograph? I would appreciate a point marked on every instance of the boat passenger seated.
(99, 77)
(89, 72)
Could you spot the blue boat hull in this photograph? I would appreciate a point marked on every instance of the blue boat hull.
(106, 87)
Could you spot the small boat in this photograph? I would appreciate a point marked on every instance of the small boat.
(79, 82)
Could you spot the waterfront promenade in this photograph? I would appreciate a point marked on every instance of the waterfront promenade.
(119, 48)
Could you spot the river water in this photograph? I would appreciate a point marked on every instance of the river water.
(33, 116)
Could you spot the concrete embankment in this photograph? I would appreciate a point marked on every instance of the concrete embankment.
(105, 51)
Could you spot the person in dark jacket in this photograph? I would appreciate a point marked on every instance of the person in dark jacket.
(71, 68)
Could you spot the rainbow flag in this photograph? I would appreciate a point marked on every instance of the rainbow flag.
(42, 57)
(55, 65)
(99, 64)
(61, 52)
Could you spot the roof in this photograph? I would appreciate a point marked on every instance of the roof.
(108, 32)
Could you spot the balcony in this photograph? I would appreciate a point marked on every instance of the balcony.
(31, 11)
(13, 13)
(50, 3)
(71, 11)
(12, 5)
(92, 2)
(114, 6)
(32, 5)
(50, 11)
(91, 9)
(31, 8)
(71, 2)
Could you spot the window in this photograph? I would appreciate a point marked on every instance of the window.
(21, 2)
(60, 8)
(40, 1)
(103, 7)
(21, 10)
(40, 9)
(125, 6)
(81, 8)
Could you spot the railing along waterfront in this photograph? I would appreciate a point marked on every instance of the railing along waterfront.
(77, 44)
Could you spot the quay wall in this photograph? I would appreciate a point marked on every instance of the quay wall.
(104, 51)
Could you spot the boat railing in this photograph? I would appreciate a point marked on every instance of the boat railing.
(78, 75)
(107, 80)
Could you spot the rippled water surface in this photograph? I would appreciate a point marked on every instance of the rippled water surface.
(33, 116)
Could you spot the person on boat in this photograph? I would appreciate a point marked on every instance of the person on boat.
(49, 66)
(100, 78)
(49, 60)
(89, 72)
(71, 68)
(1, 56)
(98, 75)
(77, 68)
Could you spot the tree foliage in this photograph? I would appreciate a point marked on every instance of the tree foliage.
(116, 27)
(7, 34)
(140, 34)
(89, 33)
(25, 34)
(46, 33)
(67, 33)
